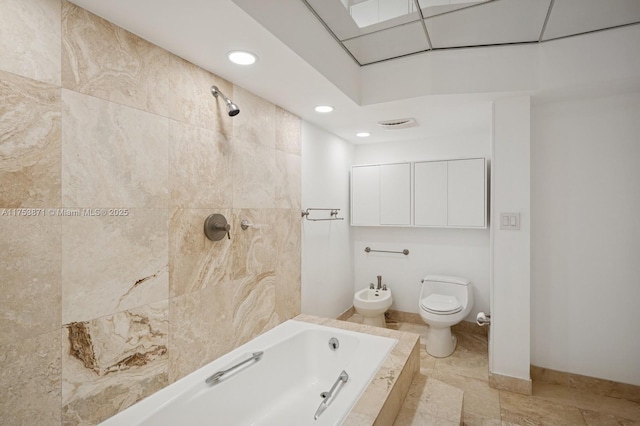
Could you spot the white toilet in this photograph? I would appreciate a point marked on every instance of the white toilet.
(444, 302)
(372, 304)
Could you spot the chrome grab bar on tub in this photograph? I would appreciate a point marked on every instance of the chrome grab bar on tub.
(215, 378)
(328, 396)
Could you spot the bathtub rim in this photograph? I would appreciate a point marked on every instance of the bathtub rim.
(300, 323)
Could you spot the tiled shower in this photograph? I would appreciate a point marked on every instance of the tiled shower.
(112, 154)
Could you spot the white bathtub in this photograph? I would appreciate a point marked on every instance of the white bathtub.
(282, 388)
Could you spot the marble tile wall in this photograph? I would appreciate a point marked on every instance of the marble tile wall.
(101, 309)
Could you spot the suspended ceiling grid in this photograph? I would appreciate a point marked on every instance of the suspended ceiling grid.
(377, 30)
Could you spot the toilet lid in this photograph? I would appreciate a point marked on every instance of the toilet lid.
(439, 303)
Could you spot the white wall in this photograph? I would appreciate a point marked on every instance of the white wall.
(509, 347)
(585, 288)
(327, 265)
(603, 56)
(459, 252)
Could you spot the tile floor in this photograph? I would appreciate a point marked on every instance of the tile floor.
(467, 370)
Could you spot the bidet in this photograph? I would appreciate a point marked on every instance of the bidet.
(372, 304)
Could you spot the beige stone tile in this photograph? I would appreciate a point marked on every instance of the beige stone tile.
(256, 122)
(288, 267)
(607, 405)
(465, 362)
(256, 249)
(511, 384)
(113, 156)
(30, 39)
(470, 419)
(112, 362)
(405, 317)
(524, 410)
(346, 314)
(103, 60)
(355, 318)
(604, 387)
(30, 378)
(470, 327)
(420, 329)
(200, 329)
(113, 263)
(473, 342)
(540, 374)
(199, 167)
(30, 142)
(481, 403)
(625, 391)
(195, 262)
(191, 100)
(253, 172)
(427, 362)
(594, 418)
(419, 418)
(287, 181)
(30, 276)
(585, 383)
(554, 393)
(254, 306)
(431, 401)
(288, 132)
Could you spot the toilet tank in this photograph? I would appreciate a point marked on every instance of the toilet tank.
(441, 284)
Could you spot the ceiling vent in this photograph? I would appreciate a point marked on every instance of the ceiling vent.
(400, 123)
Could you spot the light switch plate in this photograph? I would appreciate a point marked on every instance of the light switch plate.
(510, 221)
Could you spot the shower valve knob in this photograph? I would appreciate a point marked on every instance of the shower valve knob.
(216, 227)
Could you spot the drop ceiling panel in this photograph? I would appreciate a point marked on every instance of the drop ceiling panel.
(436, 7)
(569, 17)
(368, 16)
(496, 22)
(391, 43)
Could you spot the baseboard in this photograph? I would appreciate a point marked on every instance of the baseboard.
(346, 314)
(590, 384)
(511, 384)
(413, 318)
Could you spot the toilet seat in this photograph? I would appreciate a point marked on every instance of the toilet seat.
(440, 304)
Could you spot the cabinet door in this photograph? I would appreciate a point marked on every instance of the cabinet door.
(466, 182)
(365, 195)
(395, 194)
(430, 207)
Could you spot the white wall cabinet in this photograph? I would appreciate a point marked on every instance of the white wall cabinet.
(466, 191)
(447, 193)
(450, 193)
(430, 193)
(381, 195)
(395, 194)
(365, 195)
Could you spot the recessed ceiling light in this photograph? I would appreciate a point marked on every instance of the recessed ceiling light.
(324, 108)
(241, 57)
(363, 134)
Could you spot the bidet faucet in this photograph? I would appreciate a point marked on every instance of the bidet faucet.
(379, 282)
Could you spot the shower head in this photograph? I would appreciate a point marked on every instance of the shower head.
(232, 109)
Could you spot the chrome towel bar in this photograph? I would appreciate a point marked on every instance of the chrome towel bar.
(333, 214)
(369, 249)
(214, 379)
